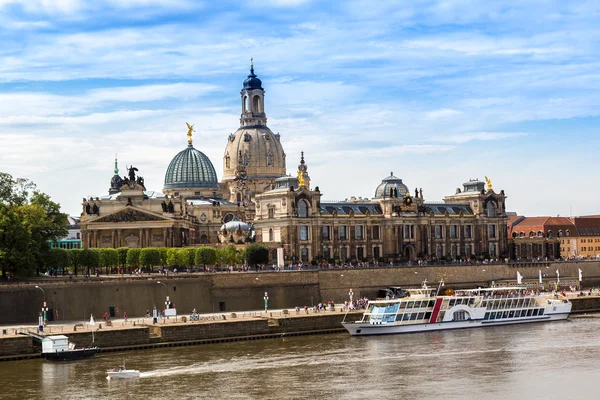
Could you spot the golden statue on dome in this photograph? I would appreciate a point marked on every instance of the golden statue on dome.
(489, 183)
(190, 130)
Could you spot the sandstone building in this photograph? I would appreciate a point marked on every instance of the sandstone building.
(257, 201)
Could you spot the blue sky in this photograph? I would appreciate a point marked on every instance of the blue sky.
(437, 92)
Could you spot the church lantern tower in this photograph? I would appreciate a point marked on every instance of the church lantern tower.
(253, 151)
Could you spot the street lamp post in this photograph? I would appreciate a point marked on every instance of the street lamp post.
(167, 300)
(42, 316)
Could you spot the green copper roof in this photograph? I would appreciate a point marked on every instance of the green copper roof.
(190, 169)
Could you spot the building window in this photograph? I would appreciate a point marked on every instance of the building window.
(304, 233)
(326, 233)
(492, 231)
(343, 232)
(492, 249)
(438, 231)
(453, 231)
(360, 253)
(247, 137)
(468, 251)
(271, 235)
(406, 232)
(304, 254)
(271, 213)
(454, 251)
(245, 159)
(269, 160)
(302, 209)
(358, 233)
(343, 253)
(567, 233)
(376, 253)
(326, 253)
(375, 230)
(78, 235)
(468, 232)
(439, 251)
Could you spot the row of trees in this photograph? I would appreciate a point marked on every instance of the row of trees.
(90, 259)
(29, 221)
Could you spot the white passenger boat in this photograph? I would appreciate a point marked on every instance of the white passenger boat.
(123, 373)
(425, 311)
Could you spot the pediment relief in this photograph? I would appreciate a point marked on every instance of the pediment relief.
(129, 214)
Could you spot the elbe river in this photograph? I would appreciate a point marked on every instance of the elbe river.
(558, 360)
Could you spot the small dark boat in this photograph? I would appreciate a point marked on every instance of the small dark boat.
(58, 348)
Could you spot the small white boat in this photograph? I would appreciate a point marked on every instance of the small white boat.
(123, 373)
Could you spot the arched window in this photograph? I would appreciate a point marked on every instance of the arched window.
(549, 234)
(203, 239)
(302, 209)
(227, 161)
(540, 234)
(271, 235)
(247, 137)
(491, 209)
(531, 234)
(514, 235)
(567, 233)
(560, 233)
(521, 234)
(245, 103)
(256, 104)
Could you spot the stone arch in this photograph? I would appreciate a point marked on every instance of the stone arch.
(409, 253)
(203, 239)
(256, 104)
(303, 208)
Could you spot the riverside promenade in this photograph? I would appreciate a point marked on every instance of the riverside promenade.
(142, 333)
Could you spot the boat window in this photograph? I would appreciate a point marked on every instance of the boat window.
(413, 316)
(511, 314)
(529, 313)
(451, 304)
(541, 311)
(406, 317)
(486, 316)
(428, 315)
(410, 304)
(493, 315)
(535, 312)
(432, 303)
(421, 315)
(505, 314)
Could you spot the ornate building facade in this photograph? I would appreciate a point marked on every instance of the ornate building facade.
(256, 200)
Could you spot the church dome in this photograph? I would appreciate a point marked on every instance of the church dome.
(391, 183)
(191, 168)
(258, 150)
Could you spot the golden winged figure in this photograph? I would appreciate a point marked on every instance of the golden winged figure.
(190, 130)
(489, 183)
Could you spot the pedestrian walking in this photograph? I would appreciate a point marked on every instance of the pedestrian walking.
(125, 316)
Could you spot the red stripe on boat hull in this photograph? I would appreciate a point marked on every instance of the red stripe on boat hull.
(436, 309)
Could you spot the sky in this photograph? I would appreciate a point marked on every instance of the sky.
(439, 92)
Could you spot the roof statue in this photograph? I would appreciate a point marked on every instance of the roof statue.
(300, 179)
(190, 130)
(489, 183)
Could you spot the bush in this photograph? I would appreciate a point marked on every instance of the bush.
(171, 260)
(163, 255)
(75, 259)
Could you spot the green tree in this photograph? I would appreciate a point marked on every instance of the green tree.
(163, 255)
(56, 259)
(14, 243)
(75, 259)
(109, 258)
(122, 256)
(149, 257)
(205, 255)
(133, 257)
(89, 258)
(172, 257)
(257, 254)
(32, 219)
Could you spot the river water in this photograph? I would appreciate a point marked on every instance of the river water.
(558, 360)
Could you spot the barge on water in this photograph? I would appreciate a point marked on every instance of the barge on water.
(58, 348)
(425, 310)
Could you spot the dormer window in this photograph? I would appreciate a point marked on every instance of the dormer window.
(247, 137)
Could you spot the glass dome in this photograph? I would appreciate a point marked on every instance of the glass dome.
(191, 169)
